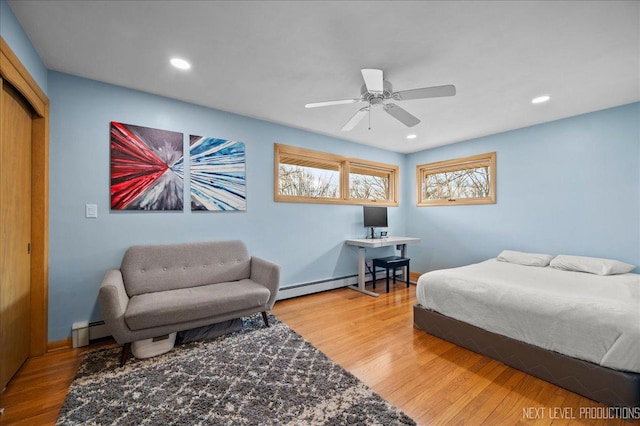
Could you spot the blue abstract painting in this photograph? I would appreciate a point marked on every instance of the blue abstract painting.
(218, 176)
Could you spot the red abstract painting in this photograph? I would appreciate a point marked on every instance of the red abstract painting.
(146, 168)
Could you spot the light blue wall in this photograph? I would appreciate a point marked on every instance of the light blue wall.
(307, 240)
(570, 186)
(12, 32)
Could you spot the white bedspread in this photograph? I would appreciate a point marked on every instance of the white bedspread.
(591, 317)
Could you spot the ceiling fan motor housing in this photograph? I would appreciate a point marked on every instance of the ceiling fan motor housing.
(376, 98)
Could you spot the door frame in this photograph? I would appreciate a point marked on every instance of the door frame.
(12, 70)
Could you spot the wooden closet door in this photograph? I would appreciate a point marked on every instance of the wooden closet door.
(15, 231)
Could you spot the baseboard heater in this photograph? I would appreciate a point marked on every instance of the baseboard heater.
(84, 332)
(315, 287)
(328, 284)
(98, 330)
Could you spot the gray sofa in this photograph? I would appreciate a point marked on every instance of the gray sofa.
(163, 289)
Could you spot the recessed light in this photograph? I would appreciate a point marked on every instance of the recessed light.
(180, 63)
(412, 136)
(540, 99)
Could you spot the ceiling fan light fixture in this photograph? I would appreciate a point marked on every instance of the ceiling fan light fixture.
(540, 99)
(180, 63)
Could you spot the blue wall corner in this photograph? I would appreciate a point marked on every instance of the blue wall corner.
(12, 32)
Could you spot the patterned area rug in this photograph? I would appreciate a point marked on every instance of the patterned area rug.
(258, 376)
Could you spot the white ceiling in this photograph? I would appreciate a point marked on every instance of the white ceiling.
(267, 59)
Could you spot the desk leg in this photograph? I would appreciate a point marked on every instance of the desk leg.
(403, 253)
(361, 275)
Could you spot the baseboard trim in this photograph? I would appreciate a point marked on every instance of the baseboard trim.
(60, 344)
(304, 289)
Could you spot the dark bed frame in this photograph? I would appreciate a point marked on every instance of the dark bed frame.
(605, 385)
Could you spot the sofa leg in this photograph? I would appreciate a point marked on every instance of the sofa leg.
(265, 318)
(126, 351)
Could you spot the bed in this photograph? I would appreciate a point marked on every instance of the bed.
(578, 330)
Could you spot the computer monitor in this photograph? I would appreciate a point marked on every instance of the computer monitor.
(374, 217)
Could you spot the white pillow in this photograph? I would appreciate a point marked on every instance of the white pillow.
(592, 265)
(527, 259)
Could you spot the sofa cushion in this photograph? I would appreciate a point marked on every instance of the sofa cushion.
(188, 304)
(147, 269)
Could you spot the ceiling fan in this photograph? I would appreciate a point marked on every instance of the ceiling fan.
(376, 90)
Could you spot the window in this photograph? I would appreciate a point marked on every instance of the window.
(303, 175)
(469, 180)
(369, 182)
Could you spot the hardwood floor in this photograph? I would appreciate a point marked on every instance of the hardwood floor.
(431, 380)
(36, 393)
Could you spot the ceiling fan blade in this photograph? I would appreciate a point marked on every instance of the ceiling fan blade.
(330, 103)
(425, 92)
(401, 115)
(373, 80)
(353, 121)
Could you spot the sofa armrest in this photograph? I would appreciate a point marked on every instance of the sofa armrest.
(114, 300)
(267, 274)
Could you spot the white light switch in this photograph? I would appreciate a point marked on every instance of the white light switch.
(91, 210)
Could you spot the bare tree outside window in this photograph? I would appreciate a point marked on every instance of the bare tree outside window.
(306, 176)
(465, 183)
(469, 180)
(300, 181)
(367, 187)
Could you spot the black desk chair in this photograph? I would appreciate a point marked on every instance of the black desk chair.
(391, 262)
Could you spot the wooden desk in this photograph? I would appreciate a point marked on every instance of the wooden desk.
(364, 243)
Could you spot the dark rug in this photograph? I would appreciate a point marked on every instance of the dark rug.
(257, 376)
